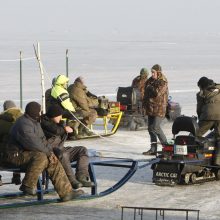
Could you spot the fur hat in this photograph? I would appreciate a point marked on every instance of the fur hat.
(79, 79)
(204, 82)
(33, 110)
(8, 104)
(156, 67)
(54, 111)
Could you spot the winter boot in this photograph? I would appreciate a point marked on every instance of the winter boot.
(87, 132)
(1, 181)
(75, 127)
(81, 132)
(27, 190)
(85, 181)
(16, 179)
(72, 195)
(152, 151)
(76, 184)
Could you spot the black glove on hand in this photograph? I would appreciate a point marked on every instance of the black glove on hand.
(151, 91)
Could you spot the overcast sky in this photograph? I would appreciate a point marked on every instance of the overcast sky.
(107, 18)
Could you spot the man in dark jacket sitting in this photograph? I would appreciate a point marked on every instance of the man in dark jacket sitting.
(56, 133)
(28, 149)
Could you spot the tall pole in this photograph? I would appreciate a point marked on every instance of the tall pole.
(21, 98)
(67, 63)
(38, 56)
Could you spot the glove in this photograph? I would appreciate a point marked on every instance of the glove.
(151, 91)
(52, 159)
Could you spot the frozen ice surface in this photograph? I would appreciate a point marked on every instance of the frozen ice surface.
(105, 65)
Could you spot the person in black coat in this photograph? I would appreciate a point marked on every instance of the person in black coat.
(56, 133)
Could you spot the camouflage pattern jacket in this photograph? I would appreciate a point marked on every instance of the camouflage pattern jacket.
(156, 96)
(78, 94)
(7, 119)
(139, 83)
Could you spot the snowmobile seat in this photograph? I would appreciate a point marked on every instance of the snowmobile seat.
(189, 124)
(185, 123)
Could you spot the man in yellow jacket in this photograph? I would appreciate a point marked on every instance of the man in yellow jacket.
(60, 96)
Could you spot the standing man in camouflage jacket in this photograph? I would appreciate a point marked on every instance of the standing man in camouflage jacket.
(155, 104)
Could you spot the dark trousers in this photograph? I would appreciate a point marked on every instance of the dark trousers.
(155, 131)
(78, 154)
(205, 126)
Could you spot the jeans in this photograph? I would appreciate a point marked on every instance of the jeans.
(155, 130)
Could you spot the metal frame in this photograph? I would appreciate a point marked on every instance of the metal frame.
(39, 191)
(112, 163)
(105, 120)
(159, 212)
(131, 165)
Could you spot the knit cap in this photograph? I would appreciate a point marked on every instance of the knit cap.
(33, 110)
(157, 68)
(8, 104)
(54, 111)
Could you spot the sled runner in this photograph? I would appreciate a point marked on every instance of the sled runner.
(131, 165)
(104, 125)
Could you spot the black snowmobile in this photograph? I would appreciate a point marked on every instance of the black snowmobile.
(131, 106)
(189, 159)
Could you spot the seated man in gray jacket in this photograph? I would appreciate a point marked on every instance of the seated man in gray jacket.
(28, 149)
